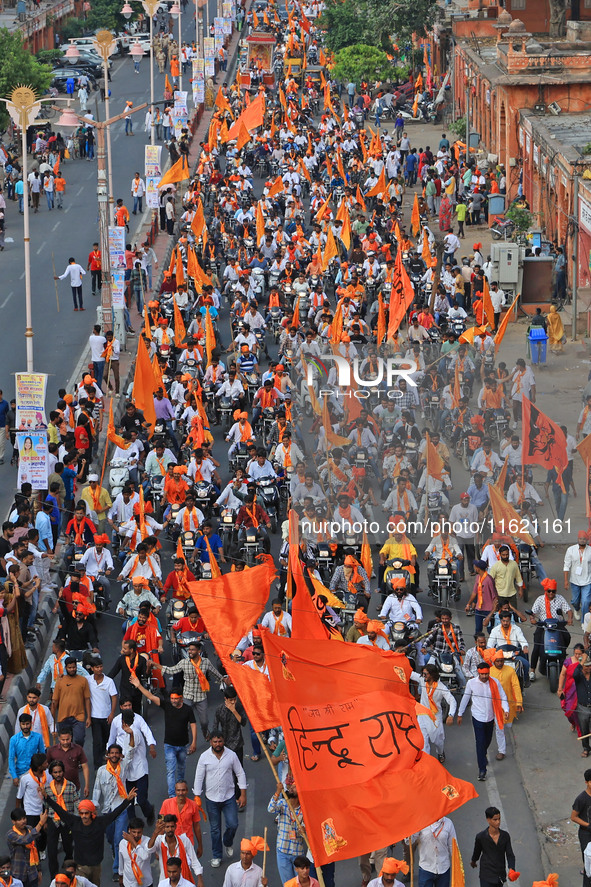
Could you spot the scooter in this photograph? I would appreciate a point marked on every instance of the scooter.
(269, 499)
(118, 476)
(553, 649)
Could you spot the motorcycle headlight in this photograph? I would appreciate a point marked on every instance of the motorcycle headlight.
(446, 668)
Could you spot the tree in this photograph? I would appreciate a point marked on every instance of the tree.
(19, 67)
(362, 62)
(343, 24)
(376, 22)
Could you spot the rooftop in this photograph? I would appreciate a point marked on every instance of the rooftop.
(568, 133)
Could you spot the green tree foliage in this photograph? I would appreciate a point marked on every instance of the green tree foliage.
(19, 67)
(376, 22)
(361, 62)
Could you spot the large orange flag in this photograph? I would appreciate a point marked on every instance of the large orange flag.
(334, 439)
(505, 516)
(504, 324)
(177, 173)
(222, 102)
(379, 187)
(260, 219)
(143, 385)
(251, 117)
(351, 733)
(381, 327)
(543, 441)
(243, 137)
(198, 222)
(330, 250)
(401, 295)
(276, 188)
(112, 434)
(230, 605)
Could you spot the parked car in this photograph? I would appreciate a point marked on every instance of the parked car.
(86, 62)
(60, 77)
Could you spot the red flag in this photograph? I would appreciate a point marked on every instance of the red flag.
(351, 732)
(543, 441)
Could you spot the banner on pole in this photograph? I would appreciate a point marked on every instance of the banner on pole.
(33, 458)
(30, 401)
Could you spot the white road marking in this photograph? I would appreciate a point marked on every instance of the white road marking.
(494, 797)
(41, 248)
(6, 300)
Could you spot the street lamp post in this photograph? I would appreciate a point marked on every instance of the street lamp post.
(23, 106)
(69, 117)
(176, 12)
(105, 46)
(150, 8)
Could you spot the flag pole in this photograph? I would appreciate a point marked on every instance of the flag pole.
(411, 859)
(57, 295)
(288, 802)
(265, 851)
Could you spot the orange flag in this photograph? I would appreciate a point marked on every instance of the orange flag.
(306, 621)
(222, 102)
(470, 334)
(543, 442)
(56, 166)
(209, 335)
(487, 304)
(360, 200)
(251, 117)
(198, 224)
(504, 324)
(177, 173)
(344, 217)
(330, 250)
(335, 440)
(458, 878)
(167, 84)
(224, 132)
(500, 483)
(158, 380)
(276, 187)
(143, 385)
(180, 332)
(415, 218)
(112, 434)
(366, 743)
(260, 219)
(255, 20)
(379, 187)
(457, 390)
(243, 137)
(504, 515)
(435, 463)
(401, 296)
(180, 271)
(584, 451)
(324, 209)
(366, 558)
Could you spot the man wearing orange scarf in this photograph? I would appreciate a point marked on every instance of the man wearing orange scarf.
(489, 707)
(133, 856)
(549, 605)
(24, 857)
(447, 637)
(196, 672)
(484, 595)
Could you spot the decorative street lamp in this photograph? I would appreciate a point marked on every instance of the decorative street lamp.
(105, 45)
(175, 11)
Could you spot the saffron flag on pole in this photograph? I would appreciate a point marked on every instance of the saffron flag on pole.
(489, 311)
(435, 464)
(505, 517)
(543, 441)
(351, 732)
(401, 295)
(415, 218)
(251, 117)
(112, 434)
(504, 323)
(143, 385)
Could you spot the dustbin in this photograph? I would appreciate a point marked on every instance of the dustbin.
(538, 338)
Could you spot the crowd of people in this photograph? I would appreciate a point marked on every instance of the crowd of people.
(270, 291)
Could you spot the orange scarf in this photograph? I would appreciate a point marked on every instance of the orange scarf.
(133, 667)
(181, 854)
(287, 458)
(252, 515)
(40, 782)
(430, 688)
(42, 720)
(203, 682)
(548, 608)
(495, 697)
(187, 519)
(446, 551)
(404, 499)
(58, 668)
(116, 772)
(137, 872)
(79, 531)
(506, 635)
(183, 592)
(267, 399)
(345, 513)
(245, 432)
(32, 848)
(453, 644)
(149, 562)
(108, 351)
(96, 498)
(59, 797)
(479, 599)
(279, 626)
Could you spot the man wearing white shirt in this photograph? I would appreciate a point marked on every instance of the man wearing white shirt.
(103, 703)
(214, 776)
(121, 510)
(134, 856)
(97, 346)
(245, 873)
(75, 272)
(173, 869)
(166, 842)
(277, 620)
(435, 845)
(98, 560)
(488, 698)
(401, 608)
(577, 573)
(229, 498)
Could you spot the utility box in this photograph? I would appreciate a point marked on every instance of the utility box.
(507, 259)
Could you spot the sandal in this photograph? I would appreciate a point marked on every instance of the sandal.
(255, 757)
(584, 753)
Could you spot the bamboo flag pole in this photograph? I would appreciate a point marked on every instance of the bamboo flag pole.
(265, 851)
(289, 804)
(57, 296)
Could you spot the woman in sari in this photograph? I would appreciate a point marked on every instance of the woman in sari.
(555, 330)
(445, 214)
(17, 657)
(567, 691)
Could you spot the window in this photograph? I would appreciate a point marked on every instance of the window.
(587, 4)
(520, 4)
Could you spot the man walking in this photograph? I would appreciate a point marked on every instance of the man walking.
(97, 344)
(103, 703)
(75, 272)
(435, 845)
(216, 769)
(489, 705)
(94, 265)
(493, 848)
(138, 189)
(577, 574)
(70, 705)
(196, 672)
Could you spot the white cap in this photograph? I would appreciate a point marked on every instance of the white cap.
(92, 477)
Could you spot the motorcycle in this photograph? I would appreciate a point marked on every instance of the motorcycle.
(118, 476)
(554, 648)
(405, 633)
(447, 672)
(227, 530)
(204, 496)
(526, 568)
(157, 488)
(269, 499)
(443, 582)
(252, 546)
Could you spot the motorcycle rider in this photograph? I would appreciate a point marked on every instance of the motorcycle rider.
(549, 605)
(447, 637)
(99, 564)
(444, 546)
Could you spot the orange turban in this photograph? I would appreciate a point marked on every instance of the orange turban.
(254, 845)
(377, 626)
(140, 580)
(392, 866)
(489, 655)
(549, 584)
(361, 616)
(551, 880)
(86, 807)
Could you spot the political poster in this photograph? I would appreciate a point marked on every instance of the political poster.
(33, 458)
(152, 161)
(30, 401)
(117, 247)
(118, 289)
